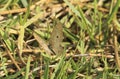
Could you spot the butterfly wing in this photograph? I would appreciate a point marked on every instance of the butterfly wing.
(56, 38)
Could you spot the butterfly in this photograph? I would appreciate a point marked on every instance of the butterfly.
(56, 39)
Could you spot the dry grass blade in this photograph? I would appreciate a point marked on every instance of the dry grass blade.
(116, 52)
(19, 10)
(43, 44)
(13, 60)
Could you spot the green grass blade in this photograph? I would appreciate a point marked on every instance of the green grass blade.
(6, 5)
(70, 35)
(58, 67)
(114, 11)
(79, 14)
(27, 68)
(22, 31)
(33, 19)
(6, 40)
(24, 2)
(15, 75)
(46, 73)
(27, 13)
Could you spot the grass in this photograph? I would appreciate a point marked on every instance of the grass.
(91, 39)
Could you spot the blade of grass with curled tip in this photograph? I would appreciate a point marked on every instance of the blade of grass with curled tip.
(21, 33)
(20, 42)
